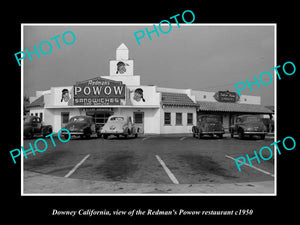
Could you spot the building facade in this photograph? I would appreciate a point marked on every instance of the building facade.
(155, 110)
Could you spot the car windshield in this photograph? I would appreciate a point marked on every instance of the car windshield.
(27, 119)
(251, 119)
(78, 119)
(117, 119)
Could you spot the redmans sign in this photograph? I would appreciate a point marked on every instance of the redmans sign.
(98, 91)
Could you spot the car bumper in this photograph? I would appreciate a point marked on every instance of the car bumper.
(112, 132)
(255, 132)
(212, 132)
(72, 132)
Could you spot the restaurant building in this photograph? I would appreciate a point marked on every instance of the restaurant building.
(155, 110)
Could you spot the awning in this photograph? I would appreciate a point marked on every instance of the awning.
(233, 107)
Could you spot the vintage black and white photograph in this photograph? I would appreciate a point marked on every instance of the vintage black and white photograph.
(148, 109)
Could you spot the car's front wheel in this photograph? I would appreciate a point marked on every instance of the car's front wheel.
(29, 135)
(241, 134)
(66, 136)
(199, 135)
(194, 130)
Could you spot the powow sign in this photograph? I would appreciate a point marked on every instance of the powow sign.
(99, 91)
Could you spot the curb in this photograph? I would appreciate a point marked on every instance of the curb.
(36, 183)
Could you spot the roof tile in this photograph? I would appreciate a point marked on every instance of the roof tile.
(177, 99)
(232, 107)
(39, 102)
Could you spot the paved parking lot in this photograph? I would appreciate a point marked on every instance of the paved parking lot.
(151, 160)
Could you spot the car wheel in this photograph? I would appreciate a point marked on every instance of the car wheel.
(29, 135)
(220, 136)
(105, 136)
(199, 135)
(194, 130)
(241, 134)
(66, 136)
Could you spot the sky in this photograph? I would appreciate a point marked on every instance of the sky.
(199, 57)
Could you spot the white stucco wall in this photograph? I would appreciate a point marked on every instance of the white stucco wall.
(38, 110)
(173, 128)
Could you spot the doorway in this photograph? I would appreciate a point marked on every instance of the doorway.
(138, 120)
(65, 116)
(99, 118)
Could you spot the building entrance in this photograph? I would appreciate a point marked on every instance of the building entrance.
(100, 117)
(138, 119)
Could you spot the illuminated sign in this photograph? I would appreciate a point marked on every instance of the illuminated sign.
(99, 91)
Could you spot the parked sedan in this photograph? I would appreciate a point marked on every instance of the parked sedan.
(208, 125)
(82, 126)
(119, 125)
(248, 125)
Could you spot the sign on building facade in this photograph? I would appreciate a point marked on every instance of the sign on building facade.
(99, 91)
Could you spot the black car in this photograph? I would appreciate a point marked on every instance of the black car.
(208, 125)
(33, 125)
(248, 125)
(82, 126)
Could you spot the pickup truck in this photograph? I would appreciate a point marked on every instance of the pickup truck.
(33, 125)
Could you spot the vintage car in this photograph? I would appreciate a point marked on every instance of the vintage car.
(33, 125)
(248, 125)
(82, 126)
(208, 125)
(119, 125)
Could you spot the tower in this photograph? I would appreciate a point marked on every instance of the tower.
(121, 69)
(122, 65)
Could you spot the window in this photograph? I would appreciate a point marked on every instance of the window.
(41, 116)
(117, 119)
(78, 119)
(167, 118)
(138, 117)
(190, 118)
(178, 118)
(36, 114)
(65, 117)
